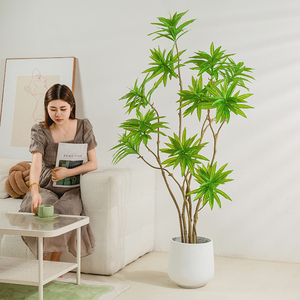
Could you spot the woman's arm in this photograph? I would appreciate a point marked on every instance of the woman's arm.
(35, 172)
(60, 173)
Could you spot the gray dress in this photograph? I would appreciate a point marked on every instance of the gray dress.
(69, 199)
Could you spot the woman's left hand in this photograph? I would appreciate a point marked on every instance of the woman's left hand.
(59, 173)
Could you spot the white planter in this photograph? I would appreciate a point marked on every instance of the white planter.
(191, 265)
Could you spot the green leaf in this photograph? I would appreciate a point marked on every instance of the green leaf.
(141, 128)
(184, 152)
(136, 97)
(223, 194)
(209, 178)
(196, 98)
(164, 65)
(226, 100)
(168, 28)
(125, 147)
(212, 64)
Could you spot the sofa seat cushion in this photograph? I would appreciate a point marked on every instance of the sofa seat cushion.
(10, 204)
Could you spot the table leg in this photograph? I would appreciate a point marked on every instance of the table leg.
(40, 273)
(78, 255)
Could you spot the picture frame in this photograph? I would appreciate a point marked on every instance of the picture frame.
(25, 83)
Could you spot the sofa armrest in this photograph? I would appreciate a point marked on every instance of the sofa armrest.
(120, 204)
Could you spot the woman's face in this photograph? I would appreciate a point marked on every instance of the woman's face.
(59, 111)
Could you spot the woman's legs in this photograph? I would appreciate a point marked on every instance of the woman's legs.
(47, 256)
(52, 256)
(55, 256)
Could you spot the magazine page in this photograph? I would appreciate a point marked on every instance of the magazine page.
(70, 156)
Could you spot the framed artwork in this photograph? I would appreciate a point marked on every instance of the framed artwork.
(26, 81)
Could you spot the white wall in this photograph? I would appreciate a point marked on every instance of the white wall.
(109, 39)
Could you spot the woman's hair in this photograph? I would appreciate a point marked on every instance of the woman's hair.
(58, 92)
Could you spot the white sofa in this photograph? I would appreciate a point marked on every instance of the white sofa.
(120, 205)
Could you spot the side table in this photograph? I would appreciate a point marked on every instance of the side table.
(38, 272)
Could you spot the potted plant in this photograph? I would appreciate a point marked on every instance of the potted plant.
(218, 89)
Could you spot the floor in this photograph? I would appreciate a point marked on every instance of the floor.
(234, 279)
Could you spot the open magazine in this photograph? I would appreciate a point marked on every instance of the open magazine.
(70, 156)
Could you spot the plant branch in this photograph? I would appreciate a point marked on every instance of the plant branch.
(184, 221)
(180, 89)
(188, 199)
(220, 127)
(215, 136)
(143, 159)
(203, 130)
(158, 136)
(163, 171)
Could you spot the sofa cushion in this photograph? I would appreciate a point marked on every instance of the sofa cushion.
(5, 165)
(10, 204)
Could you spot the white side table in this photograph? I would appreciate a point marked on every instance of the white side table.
(38, 272)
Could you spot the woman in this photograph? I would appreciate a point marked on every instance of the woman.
(60, 126)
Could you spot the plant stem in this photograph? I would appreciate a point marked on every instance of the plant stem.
(158, 135)
(184, 222)
(180, 89)
(203, 130)
(215, 136)
(175, 202)
(163, 171)
(196, 217)
(190, 219)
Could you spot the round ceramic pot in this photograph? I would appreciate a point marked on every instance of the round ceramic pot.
(191, 265)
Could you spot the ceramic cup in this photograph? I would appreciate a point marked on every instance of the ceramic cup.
(46, 211)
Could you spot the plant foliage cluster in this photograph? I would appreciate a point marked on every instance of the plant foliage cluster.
(218, 90)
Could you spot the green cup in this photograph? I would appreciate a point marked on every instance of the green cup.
(46, 211)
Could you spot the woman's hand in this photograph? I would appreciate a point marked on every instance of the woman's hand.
(36, 202)
(59, 173)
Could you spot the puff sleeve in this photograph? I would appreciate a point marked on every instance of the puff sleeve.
(38, 139)
(88, 134)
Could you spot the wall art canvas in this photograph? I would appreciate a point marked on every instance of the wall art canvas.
(26, 81)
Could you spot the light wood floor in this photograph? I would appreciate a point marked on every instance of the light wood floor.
(234, 279)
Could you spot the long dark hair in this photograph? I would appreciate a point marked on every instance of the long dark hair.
(58, 92)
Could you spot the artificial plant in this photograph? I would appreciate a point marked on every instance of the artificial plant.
(214, 94)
